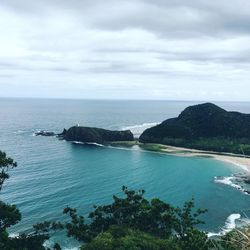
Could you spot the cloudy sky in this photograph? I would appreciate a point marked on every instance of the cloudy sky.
(125, 49)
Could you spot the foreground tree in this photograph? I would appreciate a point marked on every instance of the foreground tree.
(121, 238)
(10, 215)
(133, 222)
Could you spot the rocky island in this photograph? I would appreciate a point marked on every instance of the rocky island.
(95, 135)
(204, 127)
(44, 133)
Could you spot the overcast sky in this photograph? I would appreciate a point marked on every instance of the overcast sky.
(125, 49)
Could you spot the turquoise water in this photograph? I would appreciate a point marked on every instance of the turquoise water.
(53, 174)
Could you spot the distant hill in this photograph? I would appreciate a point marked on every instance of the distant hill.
(205, 126)
(96, 135)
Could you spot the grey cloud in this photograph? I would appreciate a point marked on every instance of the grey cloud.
(26, 65)
(6, 75)
(238, 57)
(7, 64)
(168, 18)
(180, 18)
(134, 69)
(86, 43)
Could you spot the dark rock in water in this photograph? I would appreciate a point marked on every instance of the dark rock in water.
(97, 135)
(246, 179)
(247, 192)
(61, 135)
(45, 133)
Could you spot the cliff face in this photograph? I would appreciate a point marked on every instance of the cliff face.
(97, 135)
(200, 121)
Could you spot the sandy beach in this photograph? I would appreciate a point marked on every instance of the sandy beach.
(238, 160)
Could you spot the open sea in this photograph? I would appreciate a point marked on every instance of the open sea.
(53, 174)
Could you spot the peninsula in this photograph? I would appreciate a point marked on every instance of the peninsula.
(95, 135)
(204, 127)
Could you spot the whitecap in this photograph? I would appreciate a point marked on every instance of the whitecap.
(19, 132)
(230, 224)
(88, 143)
(78, 142)
(95, 144)
(13, 235)
(49, 244)
(229, 181)
(139, 128)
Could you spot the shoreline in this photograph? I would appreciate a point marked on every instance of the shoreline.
(235, 159)
(238, 160)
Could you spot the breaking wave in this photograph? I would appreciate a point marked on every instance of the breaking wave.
(138, 129)
(230, 224)
(88, 143)
(229, 181)
(50, 243)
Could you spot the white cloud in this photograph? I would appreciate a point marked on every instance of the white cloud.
(125, 49)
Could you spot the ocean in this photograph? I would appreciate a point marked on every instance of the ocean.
(53, 174)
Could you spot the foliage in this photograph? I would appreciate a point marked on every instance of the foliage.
(6, 163)
(216, 144)
(98, 135)
(204, 127)
(26, 242)
(132, 218)
(152, 146)
(10, 215)
(119, 238)
(238, 239)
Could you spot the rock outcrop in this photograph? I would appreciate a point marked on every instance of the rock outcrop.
(45, 133)
(96, 135)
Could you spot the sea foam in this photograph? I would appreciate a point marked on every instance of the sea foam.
(139, 128)
(88, 143)
(230, 224)
(50, 243)
(229, 181)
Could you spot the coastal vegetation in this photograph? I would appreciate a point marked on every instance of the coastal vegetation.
(123, 143)
(237, 239)
(204, 127)
(133, 222)
(95, 135)
(10, 215)
(130, 222)
(219, 145)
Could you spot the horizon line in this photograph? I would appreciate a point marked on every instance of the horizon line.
(116, 99)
